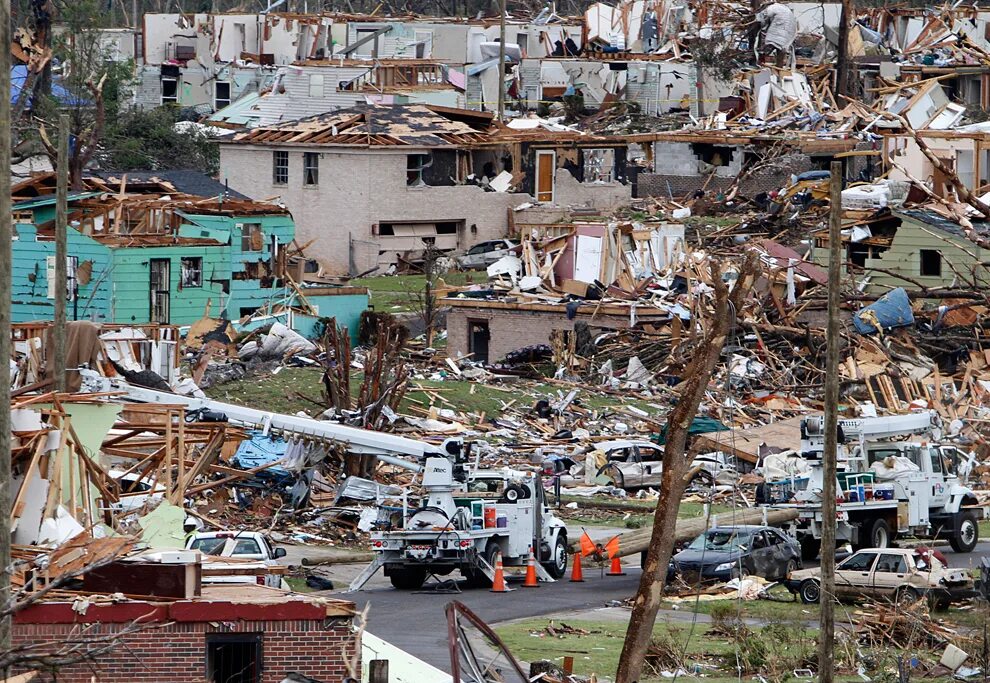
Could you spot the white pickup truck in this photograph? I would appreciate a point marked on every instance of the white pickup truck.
(243, 553)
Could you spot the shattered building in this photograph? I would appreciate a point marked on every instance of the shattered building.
(146, 253)
(376, 184)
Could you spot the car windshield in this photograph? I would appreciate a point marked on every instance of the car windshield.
(721, 539)
(208, 546)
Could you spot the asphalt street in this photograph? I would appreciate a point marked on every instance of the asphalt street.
(416, 622)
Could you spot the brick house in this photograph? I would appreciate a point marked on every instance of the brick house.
(376, 183)
(232, 633)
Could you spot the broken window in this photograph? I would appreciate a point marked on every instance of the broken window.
(280, 168)
(192, 271)
(233, 657)
(598, 165)
(251, 237)
(170, 91)
(931, 263)
(370, 48)
(221, 96)
(311, 168)
(415, 163)
(71, 285)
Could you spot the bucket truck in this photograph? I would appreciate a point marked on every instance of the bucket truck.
(468, 520)
(893, 479)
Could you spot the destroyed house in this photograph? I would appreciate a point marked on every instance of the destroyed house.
(375, 185)
(909, 248)
(161, 259)
(317, 87)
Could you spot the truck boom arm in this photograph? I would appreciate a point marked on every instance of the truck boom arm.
(389, 448)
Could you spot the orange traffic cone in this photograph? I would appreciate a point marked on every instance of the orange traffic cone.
(498, 585)
(531, 581)
(616, 568)
(577, 575)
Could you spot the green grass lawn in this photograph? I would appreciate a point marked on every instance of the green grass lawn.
(402, 293)
(777, 647)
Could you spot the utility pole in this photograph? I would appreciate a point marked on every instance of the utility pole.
(61, 250)
(826, 631)
(6, 235)
(501, 61)
(842, 79)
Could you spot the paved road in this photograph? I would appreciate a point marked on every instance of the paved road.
(416, 622)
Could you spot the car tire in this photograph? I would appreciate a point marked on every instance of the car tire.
(557, 566)
(906, 595)
(408, 578)
(613, 473)
(967, 535)
(810, 592)
(879, 535)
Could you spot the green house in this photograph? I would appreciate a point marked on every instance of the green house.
(909, 248)
(168, 259)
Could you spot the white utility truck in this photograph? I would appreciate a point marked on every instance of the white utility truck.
(885, 488)
(468, 518)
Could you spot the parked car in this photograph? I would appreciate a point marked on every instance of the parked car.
(636, 464)
(244, 549)
(485, 254)
(728, 552)
(891, 573)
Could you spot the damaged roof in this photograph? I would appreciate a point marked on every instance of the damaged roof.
(378, 125)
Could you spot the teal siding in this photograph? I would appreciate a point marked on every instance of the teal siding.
(250, 294)
(346, 308)
(29, 292)
(132, 282)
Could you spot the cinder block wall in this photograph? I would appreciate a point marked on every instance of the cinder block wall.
(774, 177)
(176, 653)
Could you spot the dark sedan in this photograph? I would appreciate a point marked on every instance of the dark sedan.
(728, 552)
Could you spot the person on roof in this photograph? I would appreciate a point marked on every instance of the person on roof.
(780, 26)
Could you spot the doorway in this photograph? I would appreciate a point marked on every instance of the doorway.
(545, 162)
(478, 338)
(160, 278)
(233, 657)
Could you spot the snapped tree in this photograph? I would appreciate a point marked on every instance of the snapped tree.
(677, 460)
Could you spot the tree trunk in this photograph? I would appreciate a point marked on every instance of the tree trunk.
(676, 462)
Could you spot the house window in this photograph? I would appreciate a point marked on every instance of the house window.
(222, 95)
(415, 163)
(251, 237)
(71, 285)
(170, 91)
(369, 49)
(233, 657)
(311, 168)
(192, 271)
(598, 165)
(280, 168)
(931, 263)
(316, 85)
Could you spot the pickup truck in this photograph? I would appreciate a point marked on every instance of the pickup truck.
(237, 551)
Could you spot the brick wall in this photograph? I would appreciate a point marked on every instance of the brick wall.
(176, 652)
(511, 330)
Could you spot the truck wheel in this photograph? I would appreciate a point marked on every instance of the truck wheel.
(810, 547)
(968, 534)
(408, 578)
(810, 592)
(476, 578)
(879, 536)
(557, 566)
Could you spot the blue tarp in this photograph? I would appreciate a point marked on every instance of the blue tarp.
(18, 76)
(893, 309)
(260, 450)
(699, 425)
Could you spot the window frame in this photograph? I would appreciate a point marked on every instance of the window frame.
(311, 171)
(280, 170)
(174, 99)
(192, 267)
(248, 229)
(923, 256)
(216, 95)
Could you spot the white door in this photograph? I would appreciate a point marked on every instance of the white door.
(587, 258)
